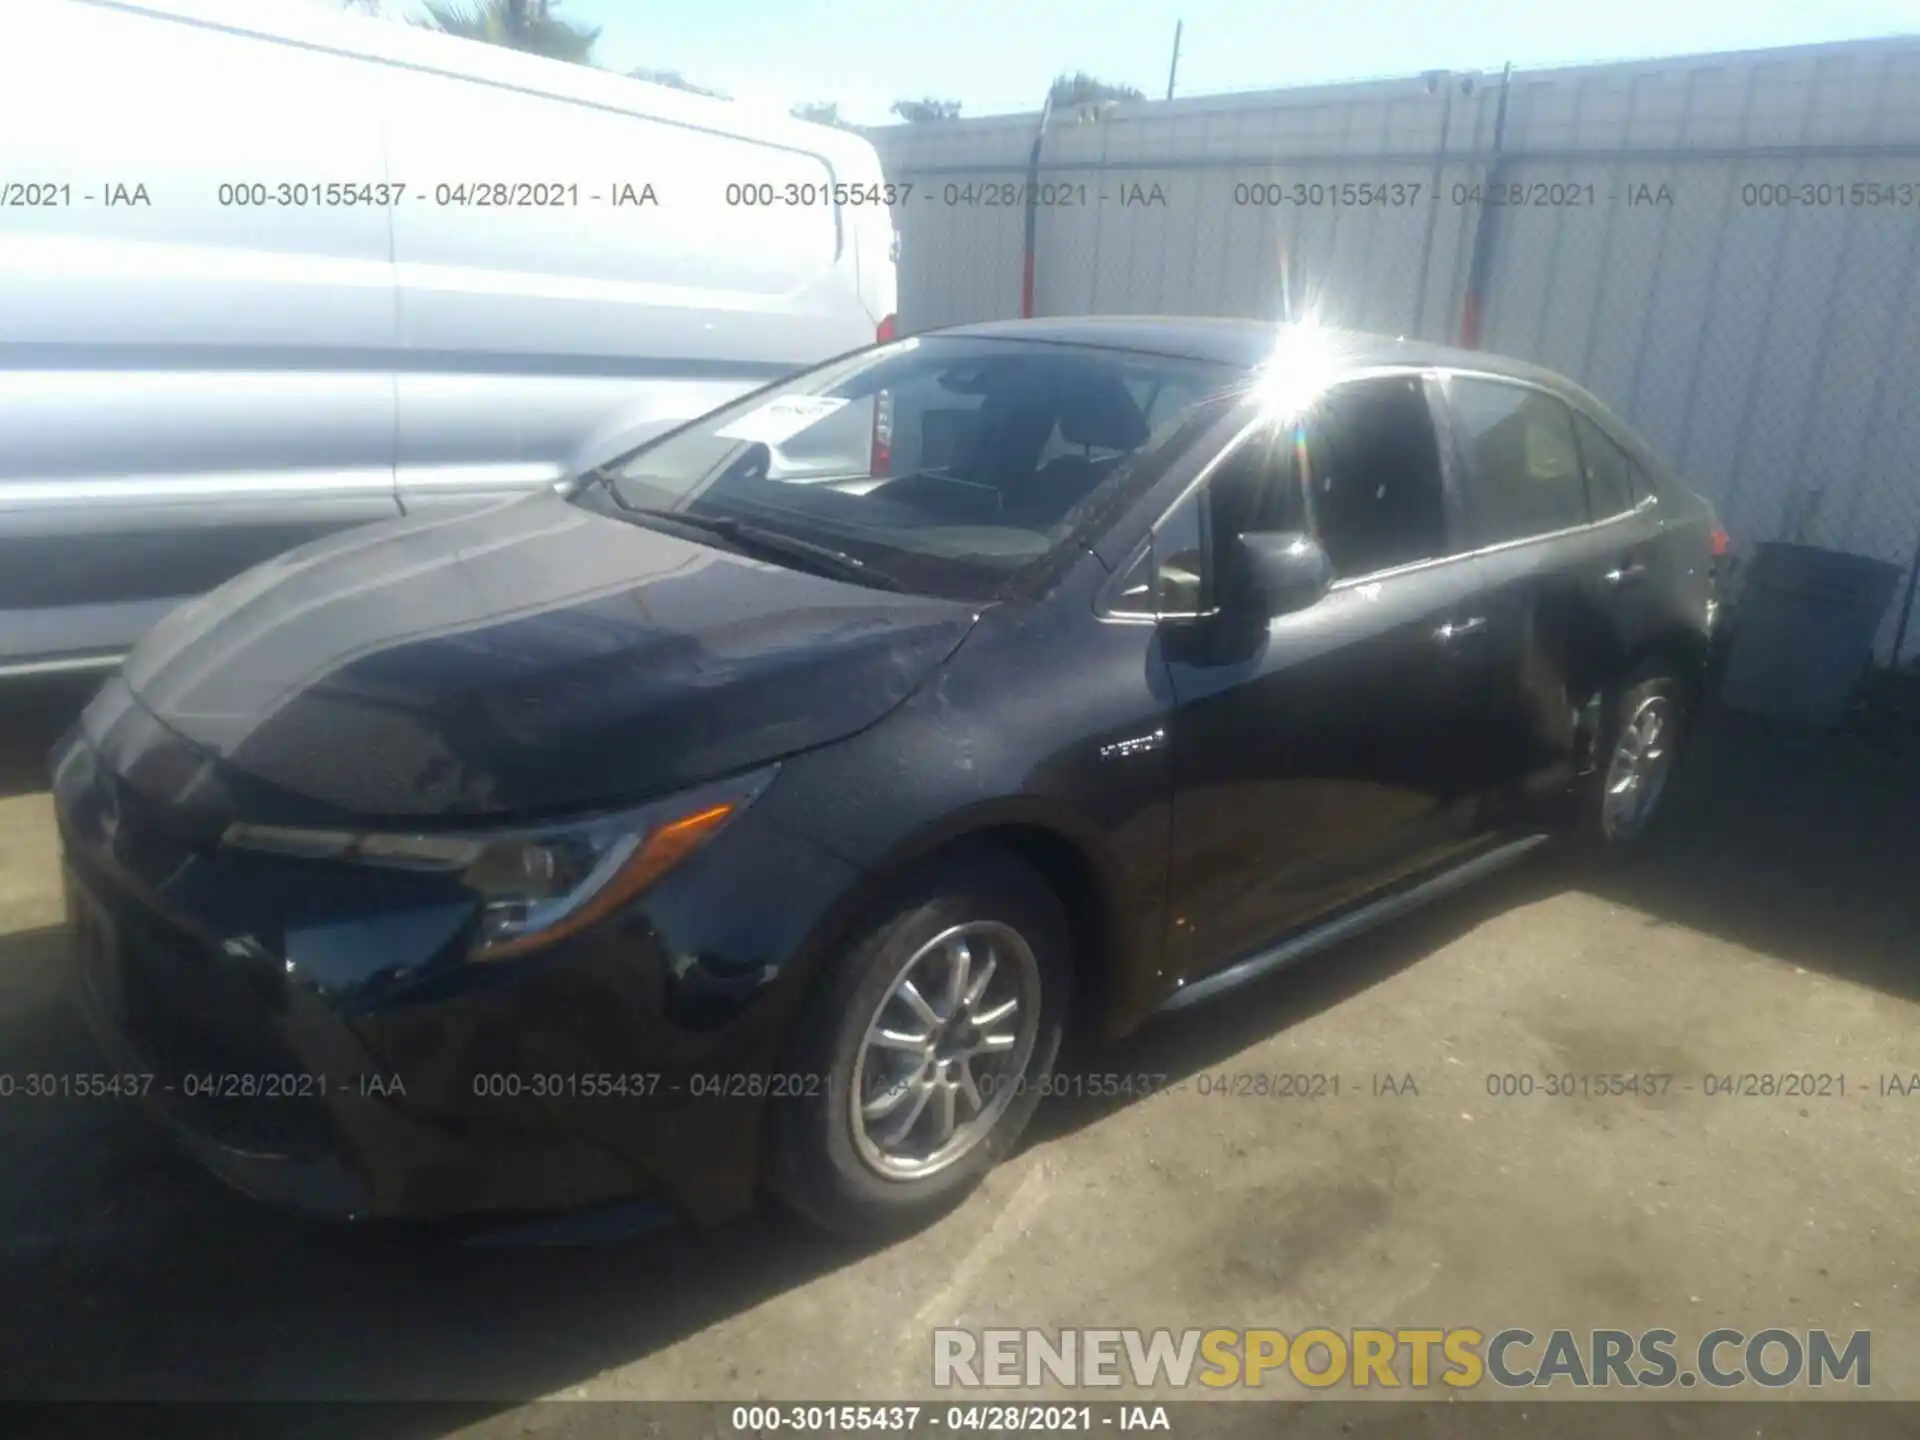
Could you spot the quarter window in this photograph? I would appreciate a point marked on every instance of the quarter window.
(1644, 487)
(1607, 470)
(1523, 468)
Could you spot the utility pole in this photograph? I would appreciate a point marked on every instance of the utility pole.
(1174, 68)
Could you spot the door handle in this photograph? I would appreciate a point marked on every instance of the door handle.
(1620, 574)
(1459, 629)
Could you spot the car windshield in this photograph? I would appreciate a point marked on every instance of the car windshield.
(942, 464)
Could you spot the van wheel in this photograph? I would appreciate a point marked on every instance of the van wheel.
(932, 1038)
(1640, 744)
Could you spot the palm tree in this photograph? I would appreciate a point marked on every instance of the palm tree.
(527, 25)
(1080, 88)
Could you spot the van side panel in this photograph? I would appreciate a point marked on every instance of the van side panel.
(876, 237)
(204, 361)
(190, 381)
(567, 260)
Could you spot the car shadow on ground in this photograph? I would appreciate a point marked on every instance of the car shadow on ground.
(1793, 844)
(131, 1275)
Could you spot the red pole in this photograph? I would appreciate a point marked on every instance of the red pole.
(1480, 259)
(1470, 322)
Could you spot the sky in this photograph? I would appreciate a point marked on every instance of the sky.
(998, 56)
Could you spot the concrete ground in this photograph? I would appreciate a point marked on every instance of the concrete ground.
(1771, 927)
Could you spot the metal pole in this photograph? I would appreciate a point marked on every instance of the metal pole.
(1444, 80)
(1033, 210)
(1481, 261)
(1174, 68)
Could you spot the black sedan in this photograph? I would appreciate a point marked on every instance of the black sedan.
(714, 824)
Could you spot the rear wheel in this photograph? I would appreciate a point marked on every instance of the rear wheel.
(932, 1036)
(1640, 745)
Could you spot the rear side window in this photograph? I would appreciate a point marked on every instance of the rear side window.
(1373, 476)
(1523, 467)
(1606, 469)
(1254, 487)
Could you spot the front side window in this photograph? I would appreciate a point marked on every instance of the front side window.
(1373, 476)
(1523, 468)
(995, 451)
(1183, 578)
(1254, 487)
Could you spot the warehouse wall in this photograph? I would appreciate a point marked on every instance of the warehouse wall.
(1723, 247)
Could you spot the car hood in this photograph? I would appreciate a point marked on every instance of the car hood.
(531, 657)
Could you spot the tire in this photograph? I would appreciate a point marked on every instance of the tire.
(1652, 690)
(833, 1171)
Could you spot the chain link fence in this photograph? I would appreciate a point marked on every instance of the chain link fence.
(1726, 249)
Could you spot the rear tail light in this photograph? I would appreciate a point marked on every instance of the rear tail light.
(881, 461)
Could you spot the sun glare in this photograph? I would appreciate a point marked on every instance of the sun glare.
(1304, 358)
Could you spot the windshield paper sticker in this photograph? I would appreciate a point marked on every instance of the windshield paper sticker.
(780, 420)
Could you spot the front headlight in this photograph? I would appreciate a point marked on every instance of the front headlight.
(540, 883)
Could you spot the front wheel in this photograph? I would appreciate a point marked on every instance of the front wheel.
(935, 1034)
(1641, 742)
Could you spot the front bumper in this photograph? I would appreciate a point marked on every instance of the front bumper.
(284, 1115)
(315, 1036)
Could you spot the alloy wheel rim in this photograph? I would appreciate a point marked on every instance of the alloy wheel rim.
(942, 1055)
(1637, 773)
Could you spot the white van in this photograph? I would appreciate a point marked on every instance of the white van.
(269, 269)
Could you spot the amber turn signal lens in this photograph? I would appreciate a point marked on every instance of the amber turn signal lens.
(664, 847)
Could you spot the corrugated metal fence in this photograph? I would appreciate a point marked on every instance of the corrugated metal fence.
(1724, 248)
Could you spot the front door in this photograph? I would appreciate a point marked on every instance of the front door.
(1320, 756)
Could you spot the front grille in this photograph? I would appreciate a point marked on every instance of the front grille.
(215, 1054)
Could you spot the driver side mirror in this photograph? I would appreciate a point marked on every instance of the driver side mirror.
(1276, 572)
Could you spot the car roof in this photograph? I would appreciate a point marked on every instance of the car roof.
(1245, 343)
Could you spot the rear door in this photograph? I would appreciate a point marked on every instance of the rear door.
(580, 250)
(1629, 582)
(1559, 561)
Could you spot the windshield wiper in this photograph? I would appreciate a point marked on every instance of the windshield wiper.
(745, 535)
